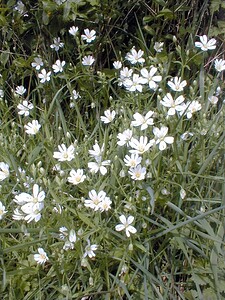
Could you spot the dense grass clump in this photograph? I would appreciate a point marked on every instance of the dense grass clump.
(112, 150)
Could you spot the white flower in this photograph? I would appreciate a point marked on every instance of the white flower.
(219, 65)
(1, 93)
(75, 95)
(97, 151)
(41, 257)
(32, 211)
(64, 154)
(25, 108)
(2, 210)
(192, 107)
(69, 244)
(95, 199)
(143, 121)
(23, 198)
(134, 84)
(126, 225)
(126, 73)
(140, 146)
(88, 35)
(58, 208)
(99, 165)
(117, 65)
(161, 138)
(150, 78)
(158, 46)
(20, 90)
(135, 57)
(88, 60)
(182, 193)
(58, 66)
(133, 160)
(76, 176)
(124, 137)
(37, 63)
(44, 76)
(17, 215)
(174, 105)
(176, 84)
(63, 232)
(186, 135)
(213, 99)
(32, 128)
(30, 205)
(20, 7)
(109, 116)
(73, 30)
(56, 44)
(137, 173)
(4, 171)
(105, 204)
(206, 44)
(89, 249)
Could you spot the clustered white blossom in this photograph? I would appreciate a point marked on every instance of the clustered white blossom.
(98, 201)
(29, 206)
(141, 137)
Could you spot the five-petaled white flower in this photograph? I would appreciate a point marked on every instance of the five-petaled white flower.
(44, 75)
(20, 90)
(97, 200)
(124, 137)
(126, 225)
(192, 107)
(150, 78)
(23, 198)
(219, 65)
(37, 63)
(2, 210)
(99, 165)
(138, 172)
(32, 127)
(206, 44)
(173, 105)
(56, 44)
(64, 154)
(30, 205)
(88, 60)
(135, 57)
(76, 176)
(176, 84)
(143, 121)
(97, 150)
(4, 171)
(88, 35)
(109, 116)
(125, 73)
(73, 30)
(140, 146)
(161, 138)
(133, 160)
(58, 66)
(134, 84)
(41, 257)
(89, 249)
(24, 108)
